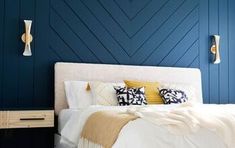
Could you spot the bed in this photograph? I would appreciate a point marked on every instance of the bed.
(149, 133)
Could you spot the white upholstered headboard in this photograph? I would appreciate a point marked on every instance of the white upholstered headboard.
(117, 73)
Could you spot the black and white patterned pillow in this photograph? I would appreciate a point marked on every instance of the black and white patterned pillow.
(173, 96)
(130, 96)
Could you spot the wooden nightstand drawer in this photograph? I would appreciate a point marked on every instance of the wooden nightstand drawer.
(26, 119)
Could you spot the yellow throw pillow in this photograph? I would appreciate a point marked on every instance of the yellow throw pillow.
(151, 91)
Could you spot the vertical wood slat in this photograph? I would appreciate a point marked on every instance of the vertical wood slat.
(231, 51)
(43, 67)
(203, 52)
(214, 68)
(223, 66)
(26, 67)
(2, 22)
(10, 67)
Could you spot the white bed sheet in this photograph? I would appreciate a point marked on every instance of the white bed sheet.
(64, 117)
(140, 133)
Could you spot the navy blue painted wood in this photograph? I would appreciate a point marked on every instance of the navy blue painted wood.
(44, 57)
(139, 32)
(214, 69)
(26, 69)
(2, 22)
(224, 66)
(27, 138)
(11, 58)
(131, 10)
(189, 55)
(231, 32)
(204, 45)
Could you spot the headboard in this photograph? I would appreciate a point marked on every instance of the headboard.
(117, 73)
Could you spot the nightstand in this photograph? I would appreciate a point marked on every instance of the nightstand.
(27, 129)
(26, 119)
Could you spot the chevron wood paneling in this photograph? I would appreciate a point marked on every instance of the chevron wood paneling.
(137, 32)
(125, 32)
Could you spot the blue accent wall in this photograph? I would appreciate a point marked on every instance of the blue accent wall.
(137, 32)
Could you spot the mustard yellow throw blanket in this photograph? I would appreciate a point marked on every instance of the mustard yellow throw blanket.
(103, 127)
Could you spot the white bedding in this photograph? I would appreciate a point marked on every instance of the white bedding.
(64, 117)
(143, 133)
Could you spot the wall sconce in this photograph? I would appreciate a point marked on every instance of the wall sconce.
(215, 49)
(27, 38)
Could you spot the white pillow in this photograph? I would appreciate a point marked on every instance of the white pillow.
(77, 95)
(104, 93)
(187, 88)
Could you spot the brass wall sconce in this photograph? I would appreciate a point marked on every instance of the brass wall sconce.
(215, 49)
(27, 38)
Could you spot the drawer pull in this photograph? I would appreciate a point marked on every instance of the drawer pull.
(25, 119)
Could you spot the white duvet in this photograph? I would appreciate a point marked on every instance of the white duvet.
(165, 126)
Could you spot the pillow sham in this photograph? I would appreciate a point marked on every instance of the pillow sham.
(173, 96)
(103, 93)
(188, 89)
(151, 91)
(130, 96)
(77, 95)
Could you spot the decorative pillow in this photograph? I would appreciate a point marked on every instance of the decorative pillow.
(130, 96)
(103, 93)
(173, 96)
(188, 89)
(151, 90)
(77, 95)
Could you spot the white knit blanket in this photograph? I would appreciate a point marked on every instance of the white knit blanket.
(187, 119)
